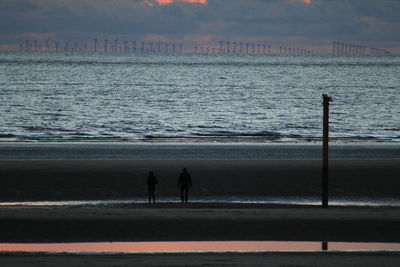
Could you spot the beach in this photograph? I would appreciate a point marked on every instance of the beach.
(306, 259)
(97, 96)
(63, 178)
(116, 179)
(196, 222)
(199, 222)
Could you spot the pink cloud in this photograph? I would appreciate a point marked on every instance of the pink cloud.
(165, 2)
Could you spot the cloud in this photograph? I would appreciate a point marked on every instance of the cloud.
(367, 20)
(165, 2)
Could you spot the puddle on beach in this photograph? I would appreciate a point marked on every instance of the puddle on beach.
(368, 202)
(204, 246)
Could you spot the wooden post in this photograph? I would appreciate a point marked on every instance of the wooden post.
(325, 151)
(324, 246)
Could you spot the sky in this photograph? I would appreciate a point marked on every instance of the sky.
(311, 24)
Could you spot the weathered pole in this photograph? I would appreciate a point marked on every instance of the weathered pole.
(325, 151)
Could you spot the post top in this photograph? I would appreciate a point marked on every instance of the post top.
(326, 97)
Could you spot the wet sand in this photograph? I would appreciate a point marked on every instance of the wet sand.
(116, 179)
(304, 259)
(109, 179)
(196, 221)
(172, 222)
(199, 222)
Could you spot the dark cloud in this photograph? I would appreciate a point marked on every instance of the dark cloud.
(369, 20)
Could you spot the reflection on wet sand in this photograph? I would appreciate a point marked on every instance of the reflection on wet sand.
(214, 246)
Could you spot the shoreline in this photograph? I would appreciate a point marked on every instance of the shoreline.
(189, 142)
(195, 151)
(272, 202)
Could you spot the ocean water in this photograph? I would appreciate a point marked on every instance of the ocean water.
(196, 98)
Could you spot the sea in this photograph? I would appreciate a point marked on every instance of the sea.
(181, 98)
(66, 105)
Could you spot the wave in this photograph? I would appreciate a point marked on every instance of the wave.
(46, 129)
(82, 137)
(241, 134)
(7, 136)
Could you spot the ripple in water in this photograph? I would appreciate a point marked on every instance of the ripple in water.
(181, 98)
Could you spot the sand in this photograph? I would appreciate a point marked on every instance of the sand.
(173, 221)
(94, 179)
(113, 179)
(304, 259)
(99, 179)
(184, 222)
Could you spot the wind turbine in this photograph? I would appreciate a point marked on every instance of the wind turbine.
(125, 46)
(105, 45)
(134, 46)
(116, 45)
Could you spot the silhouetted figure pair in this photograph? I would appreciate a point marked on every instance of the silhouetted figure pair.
(184, 182)
(151, 185)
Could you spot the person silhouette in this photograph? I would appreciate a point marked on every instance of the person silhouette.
(184, 182)
(151, 185)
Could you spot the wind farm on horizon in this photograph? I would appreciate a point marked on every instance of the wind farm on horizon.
(116, 46)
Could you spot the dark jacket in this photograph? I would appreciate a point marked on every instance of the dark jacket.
(184, 180)
(151, 181)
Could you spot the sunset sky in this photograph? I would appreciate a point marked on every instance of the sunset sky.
(303, 23)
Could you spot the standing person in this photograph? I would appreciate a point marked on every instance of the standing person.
(151, 185)
(184, 182)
